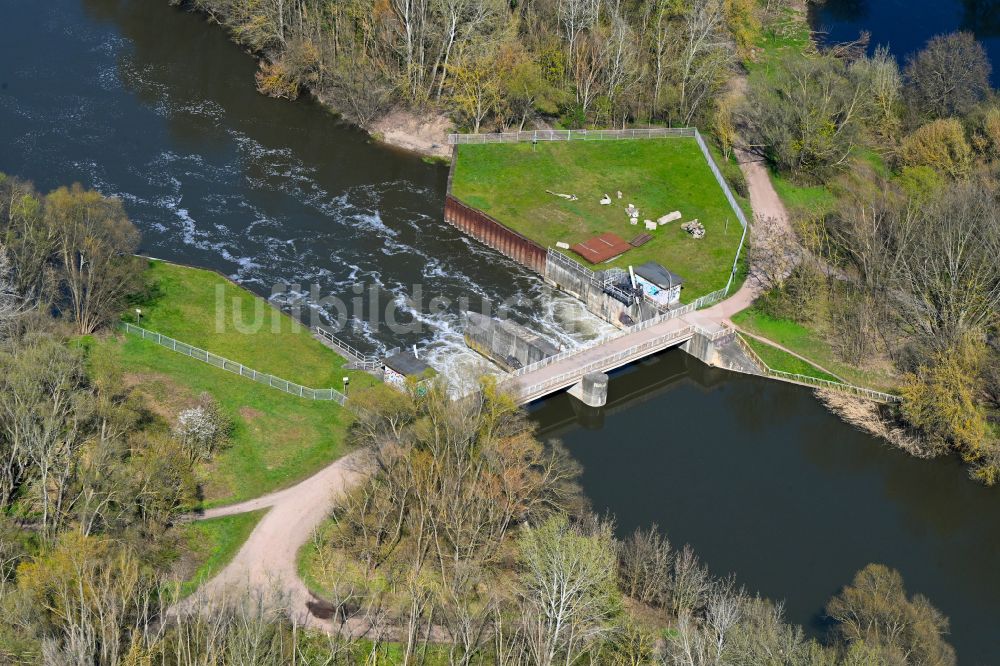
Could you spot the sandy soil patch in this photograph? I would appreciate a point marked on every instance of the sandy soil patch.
(426, 134)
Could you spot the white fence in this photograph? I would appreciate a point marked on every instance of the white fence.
(572, 135)
(817, 382)
(358, 360)
(236, 368)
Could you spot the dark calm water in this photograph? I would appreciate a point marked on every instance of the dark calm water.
(146, 102)
(766, 484)
(906, 25)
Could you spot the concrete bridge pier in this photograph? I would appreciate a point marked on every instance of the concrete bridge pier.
(591, 390)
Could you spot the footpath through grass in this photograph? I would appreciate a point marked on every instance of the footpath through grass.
(213, 543)
(509, 182)
(812, 343)
(277, 438)
(779, 359)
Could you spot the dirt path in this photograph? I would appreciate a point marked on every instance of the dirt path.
(766, 204)
(267, 562)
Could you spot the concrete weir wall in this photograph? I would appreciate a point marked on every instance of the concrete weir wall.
(509, 345)
(484, 228)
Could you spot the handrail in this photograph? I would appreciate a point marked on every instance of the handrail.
(818, 382)
(359, 359)
(236, 367)
(608, 361)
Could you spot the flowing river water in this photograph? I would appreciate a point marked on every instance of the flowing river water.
(154, 105)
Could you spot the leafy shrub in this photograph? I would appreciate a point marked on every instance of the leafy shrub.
(940, 145)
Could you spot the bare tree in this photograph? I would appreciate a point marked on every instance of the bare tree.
(644, 565)
(705, 57)
(948, 277)
(885, 83)
(774, 252)
(44, 406)
(948, 77)
(576, 17)
(96, 245)
(12, 305)
(567, 590)
(690, 584)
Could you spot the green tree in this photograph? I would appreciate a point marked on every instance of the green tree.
(875, 611)
(476, 87)
(807, 118)
(940, 145)
(88, 599)
(941, 398)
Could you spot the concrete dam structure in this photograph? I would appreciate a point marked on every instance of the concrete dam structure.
(509, 345)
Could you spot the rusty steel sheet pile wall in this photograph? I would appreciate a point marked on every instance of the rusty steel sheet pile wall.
(485, 229)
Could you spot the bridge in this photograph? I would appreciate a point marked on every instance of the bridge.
(567, 369)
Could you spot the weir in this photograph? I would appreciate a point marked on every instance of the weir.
(584, 370)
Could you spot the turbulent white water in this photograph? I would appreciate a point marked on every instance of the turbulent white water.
(276, 195)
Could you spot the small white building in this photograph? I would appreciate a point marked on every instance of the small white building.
(660, 284)
(396, 368)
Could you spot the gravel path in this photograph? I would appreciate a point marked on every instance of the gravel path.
(766, 204)
(267, 562)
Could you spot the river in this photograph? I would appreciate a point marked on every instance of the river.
(906, 25)
(151, 104)
(156, 106)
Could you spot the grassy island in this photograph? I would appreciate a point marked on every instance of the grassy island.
(512, 183)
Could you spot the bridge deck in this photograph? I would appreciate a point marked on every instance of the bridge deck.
(561, 373)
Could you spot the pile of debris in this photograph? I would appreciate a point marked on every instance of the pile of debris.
(633, 214)
(567, 197)
(695, 228)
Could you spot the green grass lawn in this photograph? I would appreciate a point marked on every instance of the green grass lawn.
(213, 543)
(803, 200)
(508, 181)
(812, 343)
(778, 359)
(204, 309)
(789, 33)
(277, 438)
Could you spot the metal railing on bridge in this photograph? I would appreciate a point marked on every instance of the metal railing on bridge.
(235, 367)
(608, 362)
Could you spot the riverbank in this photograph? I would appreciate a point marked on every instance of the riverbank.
(276, 439)
(425, 134)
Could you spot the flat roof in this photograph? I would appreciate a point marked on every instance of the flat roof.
(405, 363)
(601, 248)
(658, 275)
